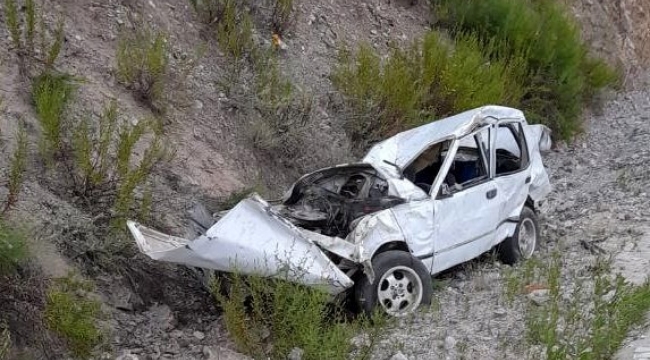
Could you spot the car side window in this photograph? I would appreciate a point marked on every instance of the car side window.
(511, 149)
(471, 163)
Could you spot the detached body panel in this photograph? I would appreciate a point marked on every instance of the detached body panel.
(250, 239)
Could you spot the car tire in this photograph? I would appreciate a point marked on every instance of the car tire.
(402, 284)
(523, 243)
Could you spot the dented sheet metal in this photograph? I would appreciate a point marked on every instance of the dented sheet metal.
(250, 239)
(402, 148)
(304, 241)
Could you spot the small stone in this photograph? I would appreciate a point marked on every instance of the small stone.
(373, 32)
(199, 335)
(78, 37)
(296, 354)
(127, 356)
(398, 356)
(450, 343)
(198, 104)
(176, 333)
(539, 296)
(500, 312)
(312, 19)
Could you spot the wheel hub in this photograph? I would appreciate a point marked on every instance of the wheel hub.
(400, 291)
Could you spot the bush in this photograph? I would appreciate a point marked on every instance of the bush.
(13, 248)
(142, 65)
(560, 76)
(17, 169)
(431, 78)
(281, 16)
(71, 314)
(24, 43)
(235, 31)
(282, 316)
(103, 166)
(51, 93)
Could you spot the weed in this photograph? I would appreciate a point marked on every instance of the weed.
(560, 76)
(5, 341)
(13, 248)
(11, 18)
(235, 31)
(284, 315)
(281, 16)
(103, 167)
(585, 318)
(17, 169)
(24, 42)
(142, 65)
(71, 314)
(51, 93)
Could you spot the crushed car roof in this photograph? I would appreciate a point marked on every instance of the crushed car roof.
(400, 149)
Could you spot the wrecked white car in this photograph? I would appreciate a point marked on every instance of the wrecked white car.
(419, 203)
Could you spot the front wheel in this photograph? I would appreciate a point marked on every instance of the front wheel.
(522, 244)
(401, 285)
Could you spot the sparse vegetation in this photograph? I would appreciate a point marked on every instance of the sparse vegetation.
(24, 42)
(235, 31)
(13, 248)
(71, 314)
(17, 169)
(281, 16)
(103, 167)
(584, 317)
(51, 93)
(432, 78)
(560, 76)
(282, 315)
(5, 341)
(142, 65)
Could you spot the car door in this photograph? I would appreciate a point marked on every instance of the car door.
(466, 216)
(512, 170)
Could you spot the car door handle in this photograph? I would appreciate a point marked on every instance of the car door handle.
(528, 180)
(491, 194)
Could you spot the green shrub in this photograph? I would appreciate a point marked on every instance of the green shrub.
(17, 169)
(281, 15)
(142, 65)
(13, 248)
(235, 31)
(431, 78)
(284, 110)
(24, 42)
(71, 314)
(282, 316)
(104, 167)
(12, 21)
(560, 76)
(51, 93)
(5, 341)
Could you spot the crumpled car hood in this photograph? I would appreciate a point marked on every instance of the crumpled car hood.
(250, 239)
